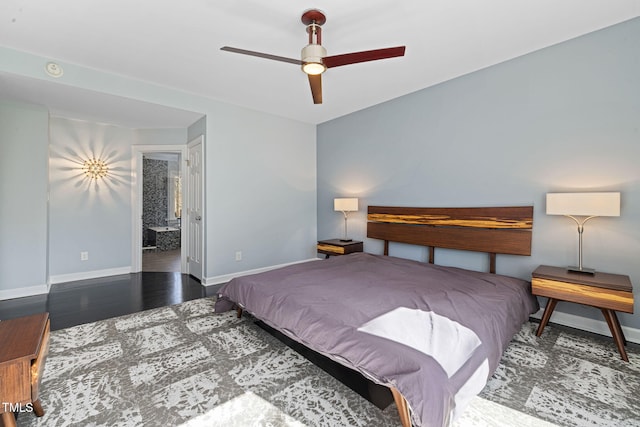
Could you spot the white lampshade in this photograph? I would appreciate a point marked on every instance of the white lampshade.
(584, 204)
(345, 204)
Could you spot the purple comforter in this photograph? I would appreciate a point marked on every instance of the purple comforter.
(434, 333)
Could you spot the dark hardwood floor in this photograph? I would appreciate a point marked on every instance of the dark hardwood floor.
(86, 301)
(161, 260)
(73, 303)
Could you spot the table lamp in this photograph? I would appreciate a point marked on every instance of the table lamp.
(581, 207)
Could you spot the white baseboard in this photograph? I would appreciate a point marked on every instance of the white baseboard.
(72, 277)
(590, 325)
(216, 280)
(23, 292)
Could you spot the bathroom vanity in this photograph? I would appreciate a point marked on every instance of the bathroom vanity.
(164, 238)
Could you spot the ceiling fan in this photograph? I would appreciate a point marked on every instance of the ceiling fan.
(315, 61)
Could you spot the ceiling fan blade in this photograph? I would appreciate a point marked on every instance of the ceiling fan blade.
(261, 55)
(364, 56)
(315, 81)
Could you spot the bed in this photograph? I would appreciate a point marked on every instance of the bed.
(433, 334)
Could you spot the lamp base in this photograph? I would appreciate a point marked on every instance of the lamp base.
(346, 240)
(582, 270)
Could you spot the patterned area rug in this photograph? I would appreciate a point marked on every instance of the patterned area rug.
(570, 377)
(185, 365)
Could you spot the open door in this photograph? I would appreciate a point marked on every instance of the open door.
(195, 208)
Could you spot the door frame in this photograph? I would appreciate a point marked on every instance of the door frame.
(136, 201)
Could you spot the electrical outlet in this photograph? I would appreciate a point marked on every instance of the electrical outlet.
(238, 255)
(84, 256)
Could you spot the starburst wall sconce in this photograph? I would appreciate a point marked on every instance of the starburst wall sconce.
(95, 168)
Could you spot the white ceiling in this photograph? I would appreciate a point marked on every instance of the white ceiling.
(177, 44)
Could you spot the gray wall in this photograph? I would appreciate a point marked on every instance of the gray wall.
(171, 136)
(196, 129)
(86, 215)
(565, 118)
(23, 207)
(261, 191)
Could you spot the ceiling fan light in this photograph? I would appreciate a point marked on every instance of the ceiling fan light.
(313, 68)
(312, 55)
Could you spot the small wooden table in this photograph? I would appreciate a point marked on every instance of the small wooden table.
(339, 247)
(24, 344)
(608, 292)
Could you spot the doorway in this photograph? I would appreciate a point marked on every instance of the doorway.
(162, 211)
(140, 239)
(192, 225)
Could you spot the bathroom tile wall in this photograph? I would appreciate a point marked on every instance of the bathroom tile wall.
(154, 196)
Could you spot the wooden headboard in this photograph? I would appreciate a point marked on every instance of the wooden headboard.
(494, 230)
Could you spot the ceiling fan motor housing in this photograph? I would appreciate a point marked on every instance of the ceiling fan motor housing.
(312, 55)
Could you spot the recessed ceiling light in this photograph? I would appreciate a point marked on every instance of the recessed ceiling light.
(53, 69)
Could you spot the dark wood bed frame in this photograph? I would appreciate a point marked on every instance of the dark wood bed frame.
(493, 230)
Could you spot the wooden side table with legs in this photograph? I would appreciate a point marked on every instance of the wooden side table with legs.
(608, 292)
(24, 344)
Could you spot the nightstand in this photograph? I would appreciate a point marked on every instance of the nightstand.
(339, 247)
(24, 344)
(608, 292)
